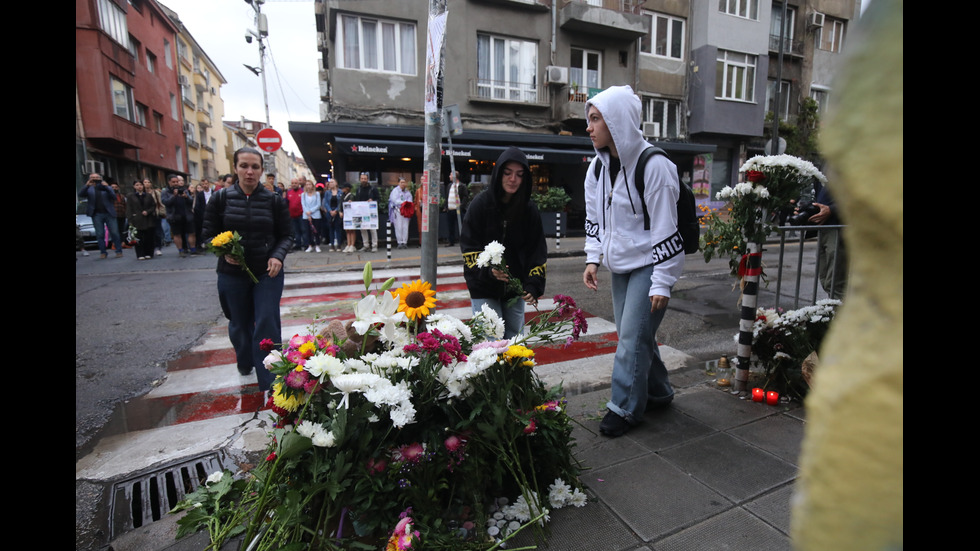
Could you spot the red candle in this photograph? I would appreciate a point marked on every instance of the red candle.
(758, 395)
(772, 397)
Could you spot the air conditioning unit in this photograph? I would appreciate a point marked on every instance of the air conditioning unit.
(815, 19)
(94, 166)
(651, 130)
(554, 74)
(183, 80)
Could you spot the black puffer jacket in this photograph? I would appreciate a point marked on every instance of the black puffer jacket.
(515, 225)
(261, 219)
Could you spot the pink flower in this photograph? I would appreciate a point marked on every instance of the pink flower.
(376, 467)
(297, 379)
(298, 340)
(453, 443)
(266, 345)
(411, 453)
(531, 426)
(271, 457)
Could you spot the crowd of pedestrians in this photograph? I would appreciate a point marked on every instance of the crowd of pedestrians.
(148, 219)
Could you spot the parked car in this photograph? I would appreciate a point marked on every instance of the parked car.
(85, 227)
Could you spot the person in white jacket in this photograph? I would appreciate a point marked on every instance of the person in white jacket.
(644, 264)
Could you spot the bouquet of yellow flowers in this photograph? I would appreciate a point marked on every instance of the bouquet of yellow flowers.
(230, 243)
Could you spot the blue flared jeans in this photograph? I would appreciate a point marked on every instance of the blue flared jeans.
(252, 310)
(639, 375)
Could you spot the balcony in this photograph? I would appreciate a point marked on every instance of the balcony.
(790, 47)
(540, 5)
(498, 91)
(620, 19)
(571, 102)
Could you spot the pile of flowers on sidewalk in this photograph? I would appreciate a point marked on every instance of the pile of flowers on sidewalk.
(403, 429)
(781, 340)
(772, 181)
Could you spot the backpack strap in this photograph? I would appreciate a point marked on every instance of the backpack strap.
(639, 179)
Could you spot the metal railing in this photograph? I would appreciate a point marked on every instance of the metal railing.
(521, 92)
(802, 237)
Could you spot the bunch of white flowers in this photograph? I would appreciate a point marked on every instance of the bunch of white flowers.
(561, 494)
(316, 432)
(492, 255)
(742, 191)
(768, 163)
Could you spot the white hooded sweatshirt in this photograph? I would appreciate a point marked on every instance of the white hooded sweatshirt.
(614, 214)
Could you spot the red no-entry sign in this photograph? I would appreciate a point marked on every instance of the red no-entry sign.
(268, 140)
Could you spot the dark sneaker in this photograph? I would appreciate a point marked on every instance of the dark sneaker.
(613, 425)
(245, 370)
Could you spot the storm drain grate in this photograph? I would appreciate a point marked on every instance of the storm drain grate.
(143, 499)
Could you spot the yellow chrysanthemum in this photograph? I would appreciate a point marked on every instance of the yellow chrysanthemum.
(221, 239)
(288, 403)
(416, 298)
(307, 349)
(518, 351)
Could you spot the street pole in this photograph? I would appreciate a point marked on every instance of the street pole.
(431, 174)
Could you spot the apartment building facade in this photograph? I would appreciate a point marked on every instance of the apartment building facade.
(200, 96)
(520, 73)
(128, 121)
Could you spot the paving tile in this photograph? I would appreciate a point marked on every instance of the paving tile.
(719, 409)
(730, 466)
(774, 507)
(734, 530)
(780, 435)
(652, 497)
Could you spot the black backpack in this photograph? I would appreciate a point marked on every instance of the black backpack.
(687, 218)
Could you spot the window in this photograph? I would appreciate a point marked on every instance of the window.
(192, 172)
(735, 76)
(173, 107)
(667, 113)
(151, 62)
(168, 55)
(112, 19)
(376, 45)
(122, 99)
(820, 95)
(141, 112)
(830, 37)
(585, 69)
(741, 8)
(179, 153)
(506, 68)
(158, 122)
(182, 50)
(666, 38)
(134, 47)
(775, 27)
(784, 91)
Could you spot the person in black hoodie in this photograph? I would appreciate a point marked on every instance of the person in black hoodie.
(505, 213)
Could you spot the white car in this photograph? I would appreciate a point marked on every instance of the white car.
(85, 227)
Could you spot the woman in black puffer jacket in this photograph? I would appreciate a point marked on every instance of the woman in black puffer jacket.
(261, 218)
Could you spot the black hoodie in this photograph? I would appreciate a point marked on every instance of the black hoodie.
(516, 225)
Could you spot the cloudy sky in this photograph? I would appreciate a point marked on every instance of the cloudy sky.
(291, 58)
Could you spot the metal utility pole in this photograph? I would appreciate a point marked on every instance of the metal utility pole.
(432, 150)
(261, 31)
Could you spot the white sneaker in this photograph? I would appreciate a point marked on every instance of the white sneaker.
(309, 249)
(317, 249)
(374, 249)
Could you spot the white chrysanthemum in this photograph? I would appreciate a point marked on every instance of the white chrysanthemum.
(761, 191)
(356, 365)
(354, 382)
(559, 493)
(449, 325)
(496, 251)
(214, 477)
(495, 324)
(306, 429)
(324, 439)
(578, 498)
(322, 365)
(402, 415)
(384, 393)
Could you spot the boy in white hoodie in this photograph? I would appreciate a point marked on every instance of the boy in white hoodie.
(644, 264)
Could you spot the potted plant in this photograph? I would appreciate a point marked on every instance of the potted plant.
(552, 201)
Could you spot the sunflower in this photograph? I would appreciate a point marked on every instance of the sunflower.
(415, 299)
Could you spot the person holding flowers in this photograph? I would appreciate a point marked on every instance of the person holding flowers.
(504, 214)
(250, 297)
